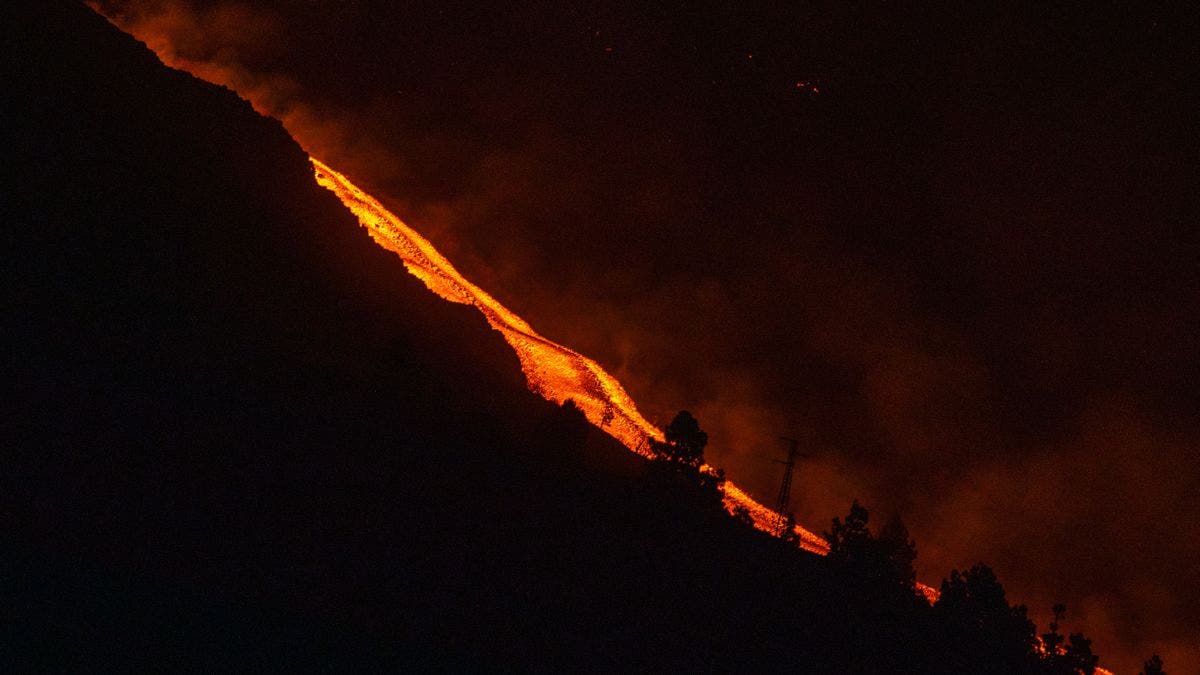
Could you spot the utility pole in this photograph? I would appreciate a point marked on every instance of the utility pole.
(785, 490)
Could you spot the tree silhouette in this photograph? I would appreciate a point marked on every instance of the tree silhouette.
(886, 560)
(684, 443)
(681, 455)
(1067, 656)
(742, 515)
(899, 552)
(873, 585)
(1079, 656)
(1053, 640)
(981, 631)
(1153, 666)
(564, 428)
(850, 540)
(572, 423)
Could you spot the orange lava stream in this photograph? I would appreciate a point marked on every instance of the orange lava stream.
(555, 372)
(551, 370)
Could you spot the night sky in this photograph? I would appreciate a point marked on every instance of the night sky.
(952, 250)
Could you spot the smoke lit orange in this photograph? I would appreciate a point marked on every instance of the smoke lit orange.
(552, 370)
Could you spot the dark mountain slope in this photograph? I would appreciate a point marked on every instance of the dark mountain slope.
(218, 388)
(236, 432)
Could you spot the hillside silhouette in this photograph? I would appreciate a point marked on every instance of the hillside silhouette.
(239, 434)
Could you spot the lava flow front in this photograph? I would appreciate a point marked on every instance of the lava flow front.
(552, 370)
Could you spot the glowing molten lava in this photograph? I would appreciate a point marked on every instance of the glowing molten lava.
(552, 370)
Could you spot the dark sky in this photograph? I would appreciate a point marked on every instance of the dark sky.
(952, 250)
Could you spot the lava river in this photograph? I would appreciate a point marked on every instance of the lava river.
(555, 372)
(551, 370)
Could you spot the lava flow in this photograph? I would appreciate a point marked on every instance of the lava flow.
(552, 370)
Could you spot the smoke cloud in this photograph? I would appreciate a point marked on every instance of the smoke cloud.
(964, 279)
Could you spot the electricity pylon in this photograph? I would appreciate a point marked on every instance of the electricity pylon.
(785, 490)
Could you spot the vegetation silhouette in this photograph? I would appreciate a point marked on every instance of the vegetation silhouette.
(980, 631)
(1065, 656)
(1153, 666)
(685, 442)
(565, 428)
(970, 628)
(678, 460)
(234, 445)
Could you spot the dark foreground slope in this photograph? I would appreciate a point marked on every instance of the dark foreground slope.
(236, 432)
(234, 427)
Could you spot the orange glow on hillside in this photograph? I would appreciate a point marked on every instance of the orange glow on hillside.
(551, 370)
(555, 372)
